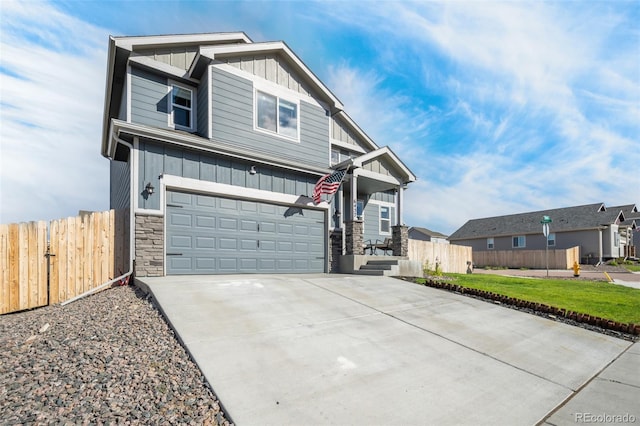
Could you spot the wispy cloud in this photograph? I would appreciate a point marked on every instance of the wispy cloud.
(52, 77)
(538, 102)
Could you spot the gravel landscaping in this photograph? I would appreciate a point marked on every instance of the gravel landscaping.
(107, 358)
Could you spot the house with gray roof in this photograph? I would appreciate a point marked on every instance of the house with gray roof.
(600, 232)
(424, 234)
(217, 145)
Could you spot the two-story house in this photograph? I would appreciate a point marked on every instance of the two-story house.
(216, 144)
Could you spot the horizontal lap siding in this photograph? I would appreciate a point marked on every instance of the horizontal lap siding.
(232, 104)
(149, 99)
(372, 222)
(156, 159)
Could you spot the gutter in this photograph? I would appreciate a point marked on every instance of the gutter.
(126, 276)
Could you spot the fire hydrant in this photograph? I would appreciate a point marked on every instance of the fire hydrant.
(576, 269)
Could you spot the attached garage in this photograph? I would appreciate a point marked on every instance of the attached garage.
(218, 235)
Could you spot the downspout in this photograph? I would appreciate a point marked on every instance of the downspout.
(131, 227)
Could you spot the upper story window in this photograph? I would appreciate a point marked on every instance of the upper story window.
(519, 241)
(335, 156)
(277, 115)
(181, 100)
(490, 244)
(385, 220)
(551, 240)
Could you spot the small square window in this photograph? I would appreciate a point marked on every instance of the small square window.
(335, 157)
(519, 241)
(490, 243)
(551, 240)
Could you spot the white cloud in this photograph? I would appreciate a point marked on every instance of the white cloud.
(541, 103)
(52, 78)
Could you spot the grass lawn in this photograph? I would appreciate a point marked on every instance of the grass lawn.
(598, 298)
(633, 268)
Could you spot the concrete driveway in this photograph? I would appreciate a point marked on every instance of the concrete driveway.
(344, 349)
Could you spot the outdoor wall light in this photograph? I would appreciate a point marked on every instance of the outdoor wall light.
(252, 170)
(149, 188)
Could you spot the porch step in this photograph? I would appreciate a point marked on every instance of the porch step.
(382, 262)
(378, 267)
(386, 267)
(377, 272)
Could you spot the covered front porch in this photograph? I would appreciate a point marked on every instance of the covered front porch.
(367, 215)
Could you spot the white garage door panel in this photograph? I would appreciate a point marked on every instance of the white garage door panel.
(215, 235)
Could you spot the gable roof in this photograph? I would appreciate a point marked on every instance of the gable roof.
(427, 232)
(590, 216)
(206, 54)
(380, 153)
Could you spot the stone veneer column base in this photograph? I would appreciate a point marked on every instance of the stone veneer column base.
(149, 239)
(354, 237)
(400, 240)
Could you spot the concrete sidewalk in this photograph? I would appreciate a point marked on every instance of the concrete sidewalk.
(343, 349)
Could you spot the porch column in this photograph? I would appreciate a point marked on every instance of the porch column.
(400, 205)
(353, 226)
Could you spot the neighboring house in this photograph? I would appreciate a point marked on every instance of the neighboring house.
(216, 143)
(594, 228)
(629, 230)
(424, 234)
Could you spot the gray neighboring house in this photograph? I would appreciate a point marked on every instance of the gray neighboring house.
(424, 234)
(215, 144)
(600, 232)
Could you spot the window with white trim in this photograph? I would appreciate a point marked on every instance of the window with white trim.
(276, 115)
(181, 106)
(490, 245)
(551, 240)
(385, 220)
(335, 156)
(519, 241)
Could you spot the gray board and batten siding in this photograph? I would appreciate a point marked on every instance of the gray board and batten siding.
(156, 159)
(233, 123)
(217, 235)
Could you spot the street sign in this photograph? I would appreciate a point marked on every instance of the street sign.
(546, 219)
(545, 229)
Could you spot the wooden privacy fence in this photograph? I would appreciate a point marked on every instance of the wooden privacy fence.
(43, 265)
(535, 259)
(452, 258)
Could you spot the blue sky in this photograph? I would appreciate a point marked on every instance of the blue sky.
(497, 107)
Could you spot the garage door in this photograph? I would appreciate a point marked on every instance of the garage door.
(216, 235)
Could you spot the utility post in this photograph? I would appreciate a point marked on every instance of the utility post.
(546, 220)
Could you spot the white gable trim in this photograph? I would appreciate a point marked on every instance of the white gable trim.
(217, 52)
(385, 152)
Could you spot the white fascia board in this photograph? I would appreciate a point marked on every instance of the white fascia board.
(167, 69)
(106, 125)
(214, 52)
(172, 182)
(347, 146)
(386, 152)
(143, 42)
(192, 141)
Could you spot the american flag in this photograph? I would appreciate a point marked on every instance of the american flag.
(328, 184)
